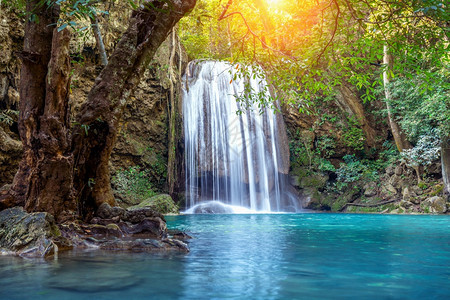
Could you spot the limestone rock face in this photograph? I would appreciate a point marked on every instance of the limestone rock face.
(143, 136)
(27, 235)
(11, 32)
(10, 154)
(435, 205)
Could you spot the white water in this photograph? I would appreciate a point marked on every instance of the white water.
(232, 158)
(217, 207)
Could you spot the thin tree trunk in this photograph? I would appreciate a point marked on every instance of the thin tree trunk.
(172, 107)
(96, 134)
(350, 99)
(399, 137)
(99, 40)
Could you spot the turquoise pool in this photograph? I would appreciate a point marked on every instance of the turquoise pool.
(274, 256)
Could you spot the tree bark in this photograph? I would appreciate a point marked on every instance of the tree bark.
(50, 184)
(95, 135)
(35, 58)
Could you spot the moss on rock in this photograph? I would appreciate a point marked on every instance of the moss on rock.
(162, 203)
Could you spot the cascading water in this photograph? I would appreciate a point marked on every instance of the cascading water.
(232, 157)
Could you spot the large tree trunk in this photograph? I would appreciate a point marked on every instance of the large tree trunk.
(43, 181)
(98, 121)
(54, 173)
(50, 184)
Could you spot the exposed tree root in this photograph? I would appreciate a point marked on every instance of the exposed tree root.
(369, 205)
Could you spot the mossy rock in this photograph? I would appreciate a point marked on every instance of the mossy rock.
(162, 203)
(434, 205)
(299, 171)
(317, 181)
(316, 200)
(437, 190)
(28, 234)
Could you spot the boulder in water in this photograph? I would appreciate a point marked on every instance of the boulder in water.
(28, 235)
(217, 207)
(212, 207)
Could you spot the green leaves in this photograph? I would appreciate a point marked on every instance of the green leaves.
(133, 4)
(75, 13)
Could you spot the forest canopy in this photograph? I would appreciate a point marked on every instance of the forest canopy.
(393, 52)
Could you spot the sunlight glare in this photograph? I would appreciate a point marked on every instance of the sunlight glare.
(274, 3)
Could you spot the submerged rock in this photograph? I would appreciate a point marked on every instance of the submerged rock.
(179, 235)
(100, 278)
(28, 235)
(212, 207)
(141, 245)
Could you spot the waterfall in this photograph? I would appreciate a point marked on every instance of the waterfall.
(231, 157)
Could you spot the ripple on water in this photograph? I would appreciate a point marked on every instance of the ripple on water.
(95, 281)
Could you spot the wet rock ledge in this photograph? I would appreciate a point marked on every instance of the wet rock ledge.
(114, 228)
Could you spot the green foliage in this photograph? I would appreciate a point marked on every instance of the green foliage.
(8, 116)
(353, 135)
(426, 151)
(310, 47)
(357, 170)
(388, 155)
(200, 32)
(326, 146)
(74, 12)
(422, 105)
(15, 4)
(158, 165)
(302, 152)
(249, 96)
(133, 183)
(423, 185)
(350, 171)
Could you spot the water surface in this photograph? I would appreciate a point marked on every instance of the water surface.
(281, 256)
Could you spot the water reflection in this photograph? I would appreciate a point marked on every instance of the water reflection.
(241, 266)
